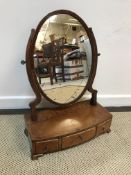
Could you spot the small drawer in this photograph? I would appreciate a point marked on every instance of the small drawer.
(103, 127)
(46, 146)
(78, 138)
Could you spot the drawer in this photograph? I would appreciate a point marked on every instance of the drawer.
(103, 127)
(78, 138)
(46, 146)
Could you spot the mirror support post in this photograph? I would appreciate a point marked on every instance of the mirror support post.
(31, 76)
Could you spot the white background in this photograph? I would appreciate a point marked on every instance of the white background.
(111, 23)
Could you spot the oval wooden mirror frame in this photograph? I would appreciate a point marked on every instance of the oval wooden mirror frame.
(31, 70)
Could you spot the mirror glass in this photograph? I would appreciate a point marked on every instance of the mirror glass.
(62, 58)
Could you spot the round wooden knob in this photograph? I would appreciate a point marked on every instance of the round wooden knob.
(23, 62)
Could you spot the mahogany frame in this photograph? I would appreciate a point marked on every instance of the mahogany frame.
(31, 70)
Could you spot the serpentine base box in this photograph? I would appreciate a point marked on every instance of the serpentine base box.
(53, 132)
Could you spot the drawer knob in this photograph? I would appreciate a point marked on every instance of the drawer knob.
(103, 129)
(45, 149)
(81, 137)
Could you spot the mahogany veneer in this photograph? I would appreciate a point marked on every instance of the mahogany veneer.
(72, 123)
(63, 128)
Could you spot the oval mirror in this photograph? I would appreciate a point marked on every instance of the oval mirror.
(62, 58)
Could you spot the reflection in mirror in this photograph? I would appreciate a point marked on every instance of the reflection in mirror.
(62, 58)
